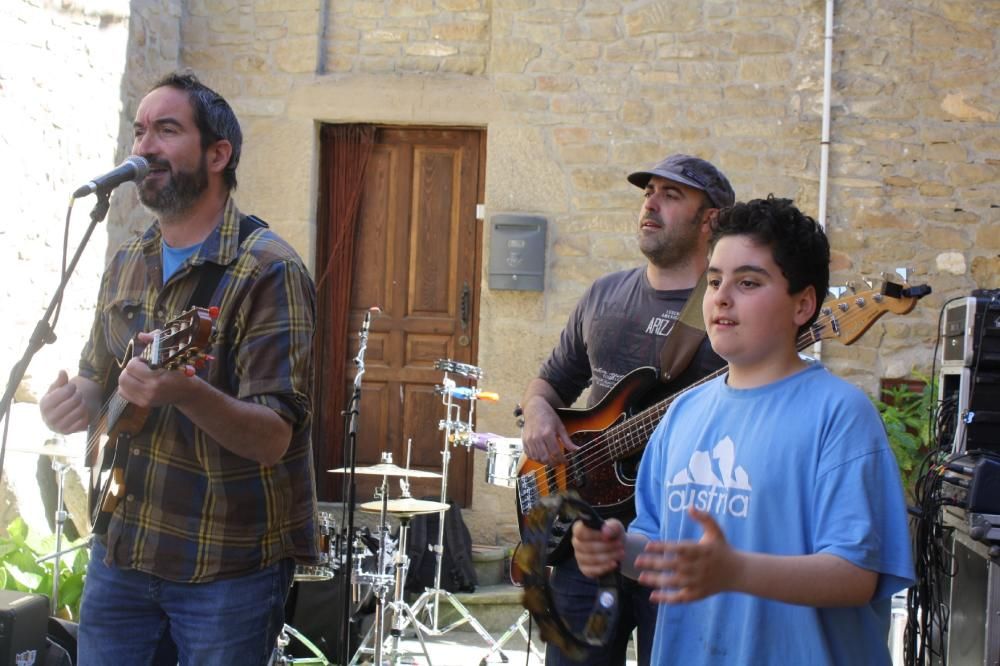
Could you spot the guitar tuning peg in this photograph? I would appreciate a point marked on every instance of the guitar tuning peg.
(868, 281)
(853, 286)
(837, 291)
(903, 272)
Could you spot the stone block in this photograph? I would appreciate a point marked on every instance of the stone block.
(295, 55)
(935, 190)
(950, 262)
(663, 17)
(464, 64)
(988, 236)
(964, 175)
(461, 31)
(765, 69)
(583, 154)
(958, 106)
(513, 55)
(985, 272)
(761, 43)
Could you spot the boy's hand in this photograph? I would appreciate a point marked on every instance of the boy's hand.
(599, 551)
(686, 571)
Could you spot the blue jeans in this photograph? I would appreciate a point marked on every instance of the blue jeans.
(129, 617)
(574, 595)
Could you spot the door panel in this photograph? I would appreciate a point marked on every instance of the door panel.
(418, 245)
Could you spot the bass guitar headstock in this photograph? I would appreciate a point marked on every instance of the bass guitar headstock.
(848, 317)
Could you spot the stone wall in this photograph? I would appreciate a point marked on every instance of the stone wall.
(60, 103)
(574, 94)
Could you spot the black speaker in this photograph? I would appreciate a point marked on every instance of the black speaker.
(23, 621)
(314, 609)
(970, 408)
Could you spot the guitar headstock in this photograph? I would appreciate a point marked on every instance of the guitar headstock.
(182, 340)
(848, 317)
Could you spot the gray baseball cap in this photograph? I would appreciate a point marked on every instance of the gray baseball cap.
(693, 172)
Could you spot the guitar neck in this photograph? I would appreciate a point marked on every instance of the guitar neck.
(631, 435)
(113, 410)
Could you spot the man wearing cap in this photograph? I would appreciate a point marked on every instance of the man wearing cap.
(620, 324)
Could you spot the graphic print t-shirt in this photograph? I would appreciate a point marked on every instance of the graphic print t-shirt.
(619, 324)
(797, 467)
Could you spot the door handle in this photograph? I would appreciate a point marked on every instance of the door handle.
(465, 313)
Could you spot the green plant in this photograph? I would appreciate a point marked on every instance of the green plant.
(906, 415)
(19, 569)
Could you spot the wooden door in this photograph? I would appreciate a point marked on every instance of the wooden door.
(417, 257)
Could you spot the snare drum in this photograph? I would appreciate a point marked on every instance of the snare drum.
(503, 457)
(328, 552)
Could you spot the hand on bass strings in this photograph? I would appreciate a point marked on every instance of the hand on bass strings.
(544, 434)
(144, 386)
(599, 551)
(66, 407)
(683, 571)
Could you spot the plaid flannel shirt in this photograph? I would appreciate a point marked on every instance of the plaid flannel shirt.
(194, 511)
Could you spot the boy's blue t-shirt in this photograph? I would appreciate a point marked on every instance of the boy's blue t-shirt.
(799, 466)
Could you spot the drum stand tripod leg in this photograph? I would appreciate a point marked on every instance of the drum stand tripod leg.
(517, 627)
(432, 607)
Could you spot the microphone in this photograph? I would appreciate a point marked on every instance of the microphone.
(133, 168)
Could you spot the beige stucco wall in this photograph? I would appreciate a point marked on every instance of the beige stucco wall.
(574, 94)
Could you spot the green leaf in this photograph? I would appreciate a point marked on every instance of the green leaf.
(27, 581)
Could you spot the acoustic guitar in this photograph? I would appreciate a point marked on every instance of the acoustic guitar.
(180, 342)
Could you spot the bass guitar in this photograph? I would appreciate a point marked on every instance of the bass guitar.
(612, 434)
(180, 342)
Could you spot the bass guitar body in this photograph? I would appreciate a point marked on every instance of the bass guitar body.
(603, 470)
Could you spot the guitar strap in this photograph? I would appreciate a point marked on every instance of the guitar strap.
(211, 272)
(685, 337)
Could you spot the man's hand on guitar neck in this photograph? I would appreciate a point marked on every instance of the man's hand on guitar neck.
(69, 404)
(144, 386)
(544, 436)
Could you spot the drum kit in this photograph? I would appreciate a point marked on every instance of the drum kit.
(378, 559)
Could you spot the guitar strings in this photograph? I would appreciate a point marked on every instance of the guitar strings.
(591, 460)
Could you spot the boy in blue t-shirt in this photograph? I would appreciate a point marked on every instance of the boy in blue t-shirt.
(770, 520)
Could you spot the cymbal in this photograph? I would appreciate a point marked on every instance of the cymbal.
(387, 469)
(405, 506)
(49, 448)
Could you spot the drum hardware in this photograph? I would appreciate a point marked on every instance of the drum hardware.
(329, 552)
(278, 658)
(503, 455)
(402, 615)
(429, 602)
(350, 487)
(386, 468)
(469, 371)
(57, 451)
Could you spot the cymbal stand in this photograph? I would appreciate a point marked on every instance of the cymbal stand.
(430, 600)
(60, 519)
(402, 614)
(350, 487)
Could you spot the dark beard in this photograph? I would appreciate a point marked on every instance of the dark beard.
(179, 193)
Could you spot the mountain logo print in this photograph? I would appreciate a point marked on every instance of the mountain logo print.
(711, 482)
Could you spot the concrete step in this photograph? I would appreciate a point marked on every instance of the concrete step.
(495, 607)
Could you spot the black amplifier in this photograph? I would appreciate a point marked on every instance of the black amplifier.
(971, 331)
(973, 483)
(24, 619)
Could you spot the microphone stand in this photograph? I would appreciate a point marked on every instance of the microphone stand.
(44, 333)
(351, 449)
